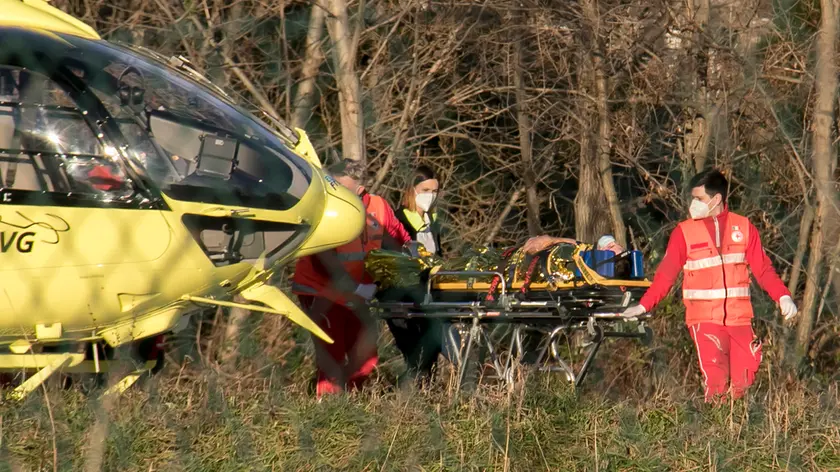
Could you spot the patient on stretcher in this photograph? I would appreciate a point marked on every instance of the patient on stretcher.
(608, 258)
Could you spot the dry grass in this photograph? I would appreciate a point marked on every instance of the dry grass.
(640, 410)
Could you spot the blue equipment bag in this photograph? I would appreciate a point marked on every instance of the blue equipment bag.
(595, 259)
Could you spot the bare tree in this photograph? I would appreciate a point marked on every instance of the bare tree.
(822, 158)
(697, 133)
(596, 192)
(305, 95)
(525, 145)
(349, 89)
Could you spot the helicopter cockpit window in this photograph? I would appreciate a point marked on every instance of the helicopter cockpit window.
(46, 144)
(192, 144)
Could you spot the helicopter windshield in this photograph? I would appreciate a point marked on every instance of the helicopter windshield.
(190, 140)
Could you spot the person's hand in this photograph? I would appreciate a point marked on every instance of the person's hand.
(632, 313)
(537, 244)
(366, 291)
(788, 307)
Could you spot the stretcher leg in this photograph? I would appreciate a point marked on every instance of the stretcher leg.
(555, 355)
(466, 362)
(456, 353)
(515, 356)
(588, 361)
(504, 360)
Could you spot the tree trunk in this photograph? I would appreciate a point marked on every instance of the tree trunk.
(801, 246)
(604, 152)
(696, 135)
(525, 145)
(349, 90)
(305, 95)
(593, 210)
(812, 284)
(590, 220)
(823, 155)
(702, 125)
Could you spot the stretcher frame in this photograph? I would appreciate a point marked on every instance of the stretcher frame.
(478, 319)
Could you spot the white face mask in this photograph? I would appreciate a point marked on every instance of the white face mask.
(699, 210)
(425, 201)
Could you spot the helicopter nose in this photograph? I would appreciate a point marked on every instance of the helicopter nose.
(343, 221)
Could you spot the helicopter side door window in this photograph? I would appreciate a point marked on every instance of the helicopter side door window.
(47, 146)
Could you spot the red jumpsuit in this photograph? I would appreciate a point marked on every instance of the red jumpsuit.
(350, 360)
(728, 352)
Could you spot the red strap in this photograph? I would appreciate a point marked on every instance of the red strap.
(528, 275)
(496, 280)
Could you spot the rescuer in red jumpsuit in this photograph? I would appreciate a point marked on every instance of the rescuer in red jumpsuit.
(716, 250)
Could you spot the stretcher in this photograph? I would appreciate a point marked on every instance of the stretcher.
(503, 318)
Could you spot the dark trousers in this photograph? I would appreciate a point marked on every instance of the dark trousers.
(420, 340)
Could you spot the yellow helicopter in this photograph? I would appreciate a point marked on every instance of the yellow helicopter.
(133, 192)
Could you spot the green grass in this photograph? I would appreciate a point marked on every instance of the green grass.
(640, 411)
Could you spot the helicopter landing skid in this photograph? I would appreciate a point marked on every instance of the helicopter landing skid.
(71, 363)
